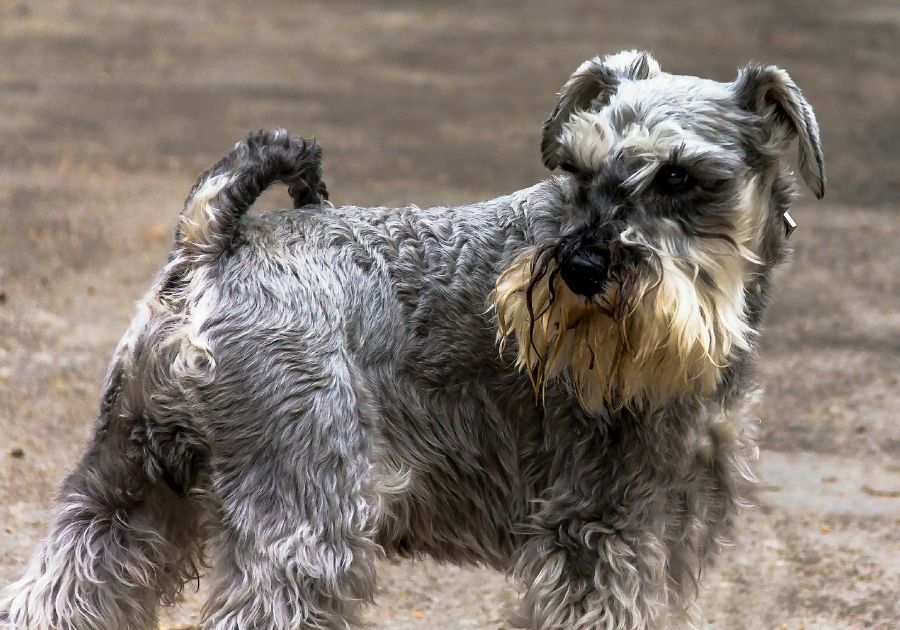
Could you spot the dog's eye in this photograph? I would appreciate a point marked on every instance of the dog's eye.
(672, 179)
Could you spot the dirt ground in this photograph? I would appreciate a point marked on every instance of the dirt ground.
(108, 110)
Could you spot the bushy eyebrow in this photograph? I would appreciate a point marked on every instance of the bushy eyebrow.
(704, 161)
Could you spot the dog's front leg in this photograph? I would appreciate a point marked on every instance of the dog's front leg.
(580, 573)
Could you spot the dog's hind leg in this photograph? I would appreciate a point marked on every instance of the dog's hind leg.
(122, 538)
(125, 532)
(289, 477)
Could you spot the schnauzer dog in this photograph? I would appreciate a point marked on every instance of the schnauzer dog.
(552, 383)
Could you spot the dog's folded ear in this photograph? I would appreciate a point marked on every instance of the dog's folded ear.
(769, 92)
(591, 85)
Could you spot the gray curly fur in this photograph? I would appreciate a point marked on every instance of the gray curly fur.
(307, 389)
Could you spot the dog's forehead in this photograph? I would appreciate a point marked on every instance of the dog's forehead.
(701, 105)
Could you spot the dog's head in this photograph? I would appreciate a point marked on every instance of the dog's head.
(636, 288)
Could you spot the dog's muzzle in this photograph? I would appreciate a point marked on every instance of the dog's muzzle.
(585, 271)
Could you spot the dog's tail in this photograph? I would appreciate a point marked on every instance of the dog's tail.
(225, 192)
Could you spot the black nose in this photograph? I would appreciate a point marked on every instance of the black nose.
(585, 272)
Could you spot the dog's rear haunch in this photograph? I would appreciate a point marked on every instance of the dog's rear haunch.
(552, 383)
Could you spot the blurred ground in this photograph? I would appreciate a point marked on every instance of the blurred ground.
(110, 109)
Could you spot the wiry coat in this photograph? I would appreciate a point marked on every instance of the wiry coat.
(310, 387)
